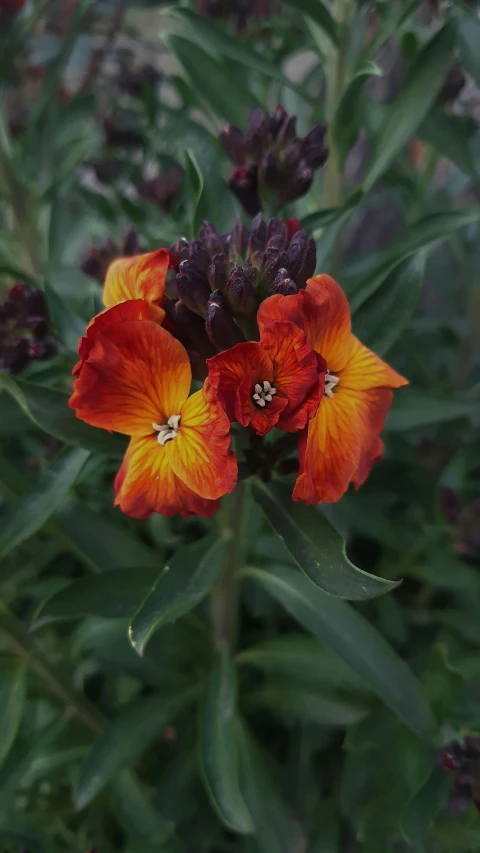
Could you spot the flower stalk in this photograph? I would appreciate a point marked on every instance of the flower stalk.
(225, 594)
(337, 59)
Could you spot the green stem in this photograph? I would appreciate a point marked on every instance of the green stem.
(337, 58)
(225, 595)
(21, 644)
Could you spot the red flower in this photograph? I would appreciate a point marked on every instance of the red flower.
(276, 382)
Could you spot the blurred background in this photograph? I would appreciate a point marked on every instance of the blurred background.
(112, 141)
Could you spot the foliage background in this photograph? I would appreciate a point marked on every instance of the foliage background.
(313, 736)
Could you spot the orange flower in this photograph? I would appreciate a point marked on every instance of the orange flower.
(276, 382)
(139, 277)
(135, 379)
(341, 443)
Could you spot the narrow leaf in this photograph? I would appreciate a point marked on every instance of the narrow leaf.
(218, 748)
(424, 806)
(138, 812)
(305, 703)
(48, 409)
(27, 515)
(319, 12)
(412, 103)
(12, 701)
(316, 546)
(354, 639)
(322, 218)
(346, 120)
(185, 580)
(195, 184)
(411, 410)
(124, 739)
(452, 136)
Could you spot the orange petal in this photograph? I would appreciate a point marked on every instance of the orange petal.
(341, 443)
(298, 373)
(132, 309)
(280, 307)
(200, 454)
(135, 374)
(140, 277)
(327, 321)
(365, 370)
(146, 483)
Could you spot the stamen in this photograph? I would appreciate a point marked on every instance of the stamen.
(264, 393)
(331, 382)
(168, 431)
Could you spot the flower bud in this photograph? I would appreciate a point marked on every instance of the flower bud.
(269, 174)
(314, 151)
(274, 261)
(283, 284)
(237, 241)
(220, 325)
(276, 120)
(240, 290)
(217, 272)
(244, 184)
(233, 143)
(300, 183)
(302, 258)
(192, 288)
(209, 238)
(258, 235)
(190, 329)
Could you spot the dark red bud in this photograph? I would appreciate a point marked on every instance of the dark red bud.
(240, 291)
(192, 288)
(233, 143)
(282, 283)
(244, 184)
(210, 239)
(293, 225)
(302, 258)
(220, 325)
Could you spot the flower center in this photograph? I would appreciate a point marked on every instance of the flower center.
(331, 382)
(264, 394)
(169, 430)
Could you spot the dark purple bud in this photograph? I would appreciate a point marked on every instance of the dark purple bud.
(217, 272)
(15, 357)
(299, 184)
(459, 799)
(181, 249)
(258, 235)
(192, 288)
(291, 156)
(244, 184)
(288, 130)
(237, 241)
(302, 258)
(232, 141)
(274, 261)
(210, 239)
(276, 121)
(189, 328)
(220, 325)
(199, 257)
(255, 137)
(282, 283)
(450, 504)
(276, 228)
(451, 756)
(240, 290)
(268, 173)
(314, 150)
(130, 245)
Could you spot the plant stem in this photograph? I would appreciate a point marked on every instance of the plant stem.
(336, 74)
(225, 595)
(21, 644)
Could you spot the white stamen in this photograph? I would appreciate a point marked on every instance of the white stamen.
(331, 382)
(168, 431)
(264, 393)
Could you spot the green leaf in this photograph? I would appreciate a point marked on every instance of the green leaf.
(48, 409)
(124, 739)
(412, 409)
(185, 580)
(331, 215)
(212, 37)
(305, 703)
(374, 270)
(218, 746)
(316, 546)
(28, 514)
(412, 103)
(346, 120)
(420, 812)
(212, 82)
(319, 12)
(386, 314)
(393, 18)
(195, 183)
(12, 701)
(113, 595)
(276, 831)
(354, 639)
(452, 137)
(468, 40)
(138, 812)
(303, 657)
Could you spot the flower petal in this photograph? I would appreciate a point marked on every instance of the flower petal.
(278, 307)
(327, 321)
(228, 369)
(146, 483)
(200, 454)
(298, 373)
(341, 443)
(135, 374)
(132, 309)
(365, 370)
(248, 413)
(139, 277)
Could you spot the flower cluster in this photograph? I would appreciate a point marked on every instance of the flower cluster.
(463, 760)
(25, 332)
(97, 259)
(273, 347)
(273, 165)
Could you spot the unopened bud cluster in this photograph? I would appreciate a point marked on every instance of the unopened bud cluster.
(463, 760)
(25, 332)
(272, 164)
(97, 259)
(220, 280)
